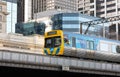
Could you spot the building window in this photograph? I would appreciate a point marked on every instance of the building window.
(110, 0)
(100, 13)
(100, 7)
(81, 12)
(0, 8)
(80, 9)
(111, 5)
(85, 12)
(110, 11)
(100, 1)
(92, 13)
(91, 1)
(112, 28)
(118, 9)
(92, 6)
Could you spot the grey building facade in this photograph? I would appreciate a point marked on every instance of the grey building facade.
(99, 8)
(32, 7)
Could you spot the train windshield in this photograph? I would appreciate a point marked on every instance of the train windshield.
(53, 42)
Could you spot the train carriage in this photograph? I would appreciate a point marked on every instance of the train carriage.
(92, 43)
(92, 47)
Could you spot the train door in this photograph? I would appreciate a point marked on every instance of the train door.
(90, 45)
(73, 42)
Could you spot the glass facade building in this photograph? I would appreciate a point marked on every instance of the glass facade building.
(70, 22)
(30, 28)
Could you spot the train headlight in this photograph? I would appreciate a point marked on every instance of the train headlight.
(58, 50)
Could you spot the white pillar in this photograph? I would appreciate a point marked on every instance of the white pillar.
(28, 10)
(95, 11)
(105, 9)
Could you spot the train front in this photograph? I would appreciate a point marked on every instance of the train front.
(54, 44)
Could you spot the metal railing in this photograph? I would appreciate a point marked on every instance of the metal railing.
(61, 63)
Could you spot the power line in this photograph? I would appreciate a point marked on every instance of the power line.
(100, 21)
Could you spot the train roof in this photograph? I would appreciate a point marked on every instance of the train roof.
(100, 38)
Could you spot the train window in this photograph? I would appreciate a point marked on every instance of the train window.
(48, 42)
(87, 44)
(104, 46)
(90, 45)
(118, 49)
(53, 42)
(113, 48)
(57, 41)
(73, 42)
(66, 41)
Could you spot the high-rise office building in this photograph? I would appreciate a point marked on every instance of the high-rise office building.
(32, 7)
(20, 10)
(99, 8)
(103, 9)
(24, 10)
(43, 5)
